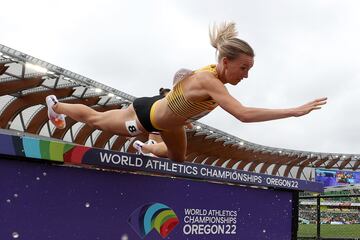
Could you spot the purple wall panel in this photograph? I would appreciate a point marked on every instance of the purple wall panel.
(42, 201)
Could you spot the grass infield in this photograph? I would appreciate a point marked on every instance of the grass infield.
(328, 230)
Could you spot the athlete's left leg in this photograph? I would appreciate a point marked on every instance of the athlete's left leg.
(176, 143)
(119, 121)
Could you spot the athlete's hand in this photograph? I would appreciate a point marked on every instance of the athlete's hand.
(307, 108)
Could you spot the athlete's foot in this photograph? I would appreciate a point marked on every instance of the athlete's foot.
(57, 119)
(140, 146)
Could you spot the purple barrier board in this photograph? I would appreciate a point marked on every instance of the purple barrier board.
(39, 200)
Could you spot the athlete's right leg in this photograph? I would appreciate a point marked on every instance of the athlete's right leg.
(176, 143)
(120, 121)
(158, 149)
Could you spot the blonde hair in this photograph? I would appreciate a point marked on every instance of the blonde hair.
(223, 37)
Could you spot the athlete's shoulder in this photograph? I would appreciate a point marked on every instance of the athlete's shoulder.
(206, 77)
(208, 68)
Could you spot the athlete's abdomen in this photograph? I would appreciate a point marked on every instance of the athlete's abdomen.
(165, 118)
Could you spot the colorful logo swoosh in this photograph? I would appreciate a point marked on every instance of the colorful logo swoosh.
(155, 215)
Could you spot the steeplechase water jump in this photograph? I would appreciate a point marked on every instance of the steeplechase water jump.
(69, 168)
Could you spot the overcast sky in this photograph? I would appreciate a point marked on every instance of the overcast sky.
(304, 50)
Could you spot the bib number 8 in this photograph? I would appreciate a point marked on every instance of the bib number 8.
(132, 128)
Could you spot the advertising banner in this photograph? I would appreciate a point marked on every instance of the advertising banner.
(63, 152)
(43, 201)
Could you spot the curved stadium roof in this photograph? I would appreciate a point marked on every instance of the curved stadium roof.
(25, 81)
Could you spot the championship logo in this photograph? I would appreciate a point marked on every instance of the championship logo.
(154, 215)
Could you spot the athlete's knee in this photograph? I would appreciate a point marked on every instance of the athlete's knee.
(177, 157)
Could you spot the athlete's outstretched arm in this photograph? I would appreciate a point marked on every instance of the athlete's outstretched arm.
(250, 114)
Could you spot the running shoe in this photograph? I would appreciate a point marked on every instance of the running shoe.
(138, 146)
(57, 119)
(150, 142)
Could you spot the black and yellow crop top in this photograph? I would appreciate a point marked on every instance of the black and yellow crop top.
(189, 110)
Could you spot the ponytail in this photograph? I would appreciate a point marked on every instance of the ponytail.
(223, 38)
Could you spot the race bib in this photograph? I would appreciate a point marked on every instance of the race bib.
(132, 128)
